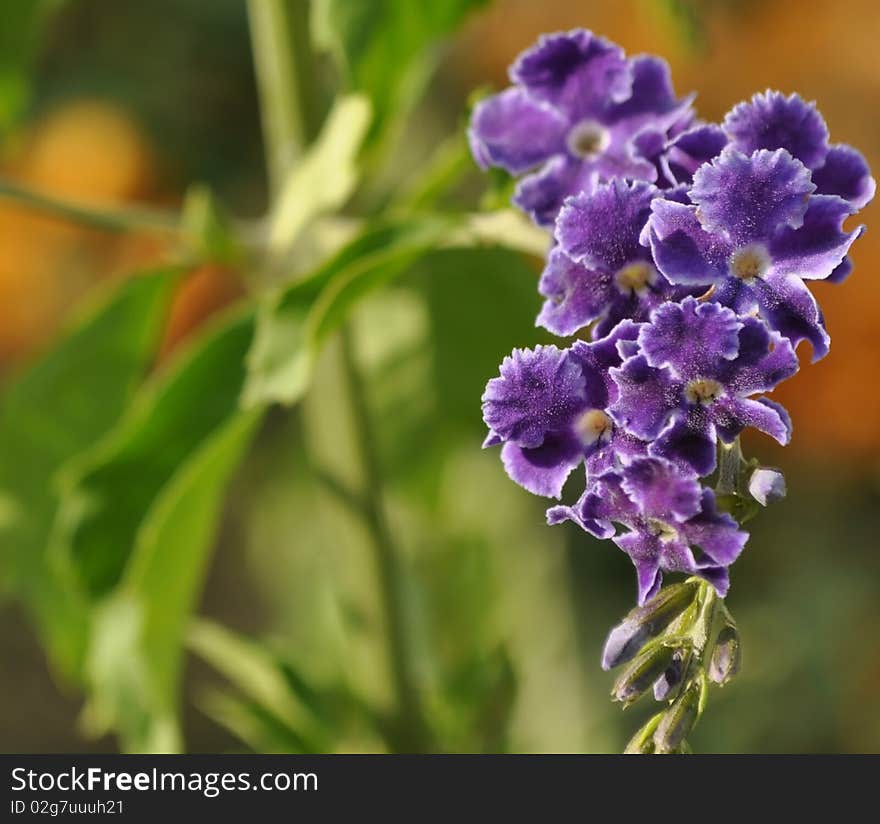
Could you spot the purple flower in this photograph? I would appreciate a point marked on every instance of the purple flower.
(690, 150)
(548, 408)
(773, 121)
(666, 514)
(599, 271)
(573, 118)
(755, 230)
(692, 380)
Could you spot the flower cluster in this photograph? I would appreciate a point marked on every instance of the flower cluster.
(680, 256)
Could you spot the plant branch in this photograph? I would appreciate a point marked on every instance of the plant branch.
(108, 219)
(412, 733)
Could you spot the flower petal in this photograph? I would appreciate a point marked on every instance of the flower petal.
(544, 469)
(683, 251)
(790, 308)
(688, 441)
(647, 396)
(576, 71)
(601, 228)
(732, 415)
(815, 250)
(576, 295)
(515, 132)
(542, 193)
(748, 197)
(539, 391)
(847, 175)
(770, 120)
(661, 490)
(691, 338)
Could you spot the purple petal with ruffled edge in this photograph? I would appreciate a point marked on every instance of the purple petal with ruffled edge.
(661, 490)
(515, 132)
(539, 391)
(790, 308)
(544, 469)
(764, 359)
(841, 272)
(847, 175)
(817, 248)
(717, 534)
(691, 338)
(615, 453)
(576, 295)
(598, 357)
(646, 397)
(683, 251)
(542, 194)
(601, 228)
(732, 415)
(576, 71)
(688, 441)
(747, 197)
(690, 150)
(770, 120)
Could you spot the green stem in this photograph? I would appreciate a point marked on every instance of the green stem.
(104, 218)
(730, 459)
(284, 62)
(292, 114)
(411, 733)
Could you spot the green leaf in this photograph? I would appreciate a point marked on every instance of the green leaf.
(294, 325)
(106, 492)
(135, 660)
(59, 407)
(384, 47)
(326, 177)
(23, 23)
(296, 322)
(261, 679)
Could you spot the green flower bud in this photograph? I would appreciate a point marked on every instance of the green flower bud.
(678, 720)
(642, 673)
(646, 622)
(726, 657)
(642, 743)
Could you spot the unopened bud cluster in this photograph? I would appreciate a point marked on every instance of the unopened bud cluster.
(673, 645)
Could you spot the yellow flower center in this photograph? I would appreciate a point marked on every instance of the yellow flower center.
(662, 530)
(635, 277)
(592, 426)
(750, 262)
(587, 139)
(702, 390)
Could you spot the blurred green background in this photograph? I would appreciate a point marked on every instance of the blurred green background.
(132, 103)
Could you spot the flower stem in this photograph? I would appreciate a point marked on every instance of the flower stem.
(411, 732)
(284, 61)
(292, 111)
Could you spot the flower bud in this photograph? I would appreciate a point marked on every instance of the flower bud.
(666, 686)
(642, 743)
(646, 622)
(726, 657)
(767, 486)
(641, 673)
(678, 720)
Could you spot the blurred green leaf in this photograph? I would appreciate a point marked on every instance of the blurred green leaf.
(135, 660)
(294, 325)
(325, 178)
(384, 47)
(296, 322)
(23, 23)
(59, 407)
(106, 491)
(269, 698)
